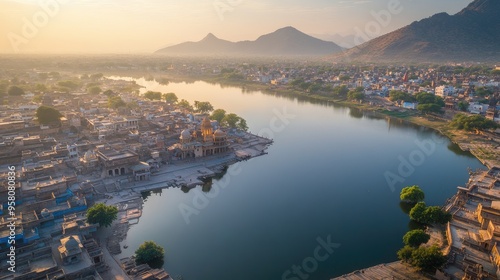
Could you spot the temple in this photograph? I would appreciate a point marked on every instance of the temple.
(201, 142)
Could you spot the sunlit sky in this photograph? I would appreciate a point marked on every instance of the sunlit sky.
(143, 26)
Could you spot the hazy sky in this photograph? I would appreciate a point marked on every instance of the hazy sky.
(143, 26)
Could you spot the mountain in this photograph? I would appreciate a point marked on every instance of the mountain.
(286, 41)
(472, 35)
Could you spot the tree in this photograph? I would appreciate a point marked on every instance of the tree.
(428, 258)
(412, 194)
(463, 105)
(109, 93)
(94, 90)
(470, 123)
(242, 124)
(218, 115)
(116, 102)
(96, 76)
(152, 95)
(47, 115)
(434, 214)
(355, 95)
(405, 253)
(170, 98)
(150, 253)
(340, 91)
(417, 212)
(429, 108)
(396, 95)
(203, 107)
(102, 214)
(68, 84)
(416, 237)
(15, 91)
(184, 104)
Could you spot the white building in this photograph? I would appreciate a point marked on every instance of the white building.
(444, 91)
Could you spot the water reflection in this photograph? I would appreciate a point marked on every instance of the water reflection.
(406, 207)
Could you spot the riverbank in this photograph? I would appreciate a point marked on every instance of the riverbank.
(186, 174)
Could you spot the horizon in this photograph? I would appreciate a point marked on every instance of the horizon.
(84, 26)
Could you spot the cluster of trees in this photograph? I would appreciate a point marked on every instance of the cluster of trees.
(429, 214)
(48, 115)
(153, 95)
(170, 98)
(472, 122)
(356, 94)
(425, 258)
(420, 212)
(15, 91)
(229, 120)
(427, 102)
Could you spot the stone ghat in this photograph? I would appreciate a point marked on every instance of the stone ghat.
(395, 270)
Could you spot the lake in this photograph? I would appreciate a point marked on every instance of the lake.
(324, 201)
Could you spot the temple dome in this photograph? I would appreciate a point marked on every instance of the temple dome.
(219, 133)
(185, 134)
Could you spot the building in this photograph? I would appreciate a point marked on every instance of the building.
(116, 163)
(200, 143)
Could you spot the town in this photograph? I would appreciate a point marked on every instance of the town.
(71, 141)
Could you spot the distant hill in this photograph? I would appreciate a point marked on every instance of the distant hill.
(473, 34)
(286, 41)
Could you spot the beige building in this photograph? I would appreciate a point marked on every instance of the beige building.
(200, 143)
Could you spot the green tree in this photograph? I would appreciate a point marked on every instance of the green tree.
(355, 95)
(434, 214)
(150, 253)
(40, 88)
(152, 95)
(340, 91)
(96, 77)
(405, 253)
(15, 91)
(68, 84)
(102, 214)
(396, 95)
(417, 212)
(94, 90)
(218, 115)
(242, 124)
(230, 120)
(170, 98)
(416, 237)
(429, 108)
(473, 122)
(428, 258)
(463, 105)
(203, 107)
(47, 115)
(184, 104)
(412, 194)
(109, 93)
(116, 102)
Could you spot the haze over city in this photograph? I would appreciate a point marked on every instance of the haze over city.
(132, 26)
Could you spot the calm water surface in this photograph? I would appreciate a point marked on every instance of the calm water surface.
(323, 178)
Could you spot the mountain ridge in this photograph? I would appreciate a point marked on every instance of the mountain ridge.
(286, 41)
(471, 34)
